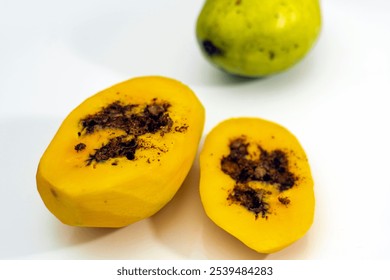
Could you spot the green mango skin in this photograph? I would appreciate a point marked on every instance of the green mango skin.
(254, 38)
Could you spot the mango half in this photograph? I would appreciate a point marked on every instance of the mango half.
(122, 154)
(256, 183)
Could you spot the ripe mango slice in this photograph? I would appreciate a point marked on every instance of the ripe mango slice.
(122, 154)
(256, 183)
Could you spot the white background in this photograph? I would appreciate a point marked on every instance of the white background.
(54, 54)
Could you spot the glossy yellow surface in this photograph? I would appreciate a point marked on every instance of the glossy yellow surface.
(119, 191)
(284, 224)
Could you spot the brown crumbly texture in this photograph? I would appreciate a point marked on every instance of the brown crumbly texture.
(251, 199)
(284, 200)
(154, 117)
(116, 147)
(270, 167)
(131, 119)
(79, 147)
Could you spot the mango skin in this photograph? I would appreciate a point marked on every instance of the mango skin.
(255, 38)
(285, 224)
(107, 195)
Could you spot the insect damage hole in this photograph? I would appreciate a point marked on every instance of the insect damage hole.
(269, 167)
(252, 199)
(115, 148)
(134, 120)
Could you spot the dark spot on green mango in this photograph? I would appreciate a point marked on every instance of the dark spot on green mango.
(210, 48)
(271, 55)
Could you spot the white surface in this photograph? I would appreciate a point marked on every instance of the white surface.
(54, 54)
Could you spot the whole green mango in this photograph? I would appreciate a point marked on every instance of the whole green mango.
(254, 38)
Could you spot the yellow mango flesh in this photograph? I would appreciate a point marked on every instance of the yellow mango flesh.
(82, 188)
(289, 212)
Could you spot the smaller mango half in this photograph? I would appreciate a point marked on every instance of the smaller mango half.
(122, 154)
(256, 183)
